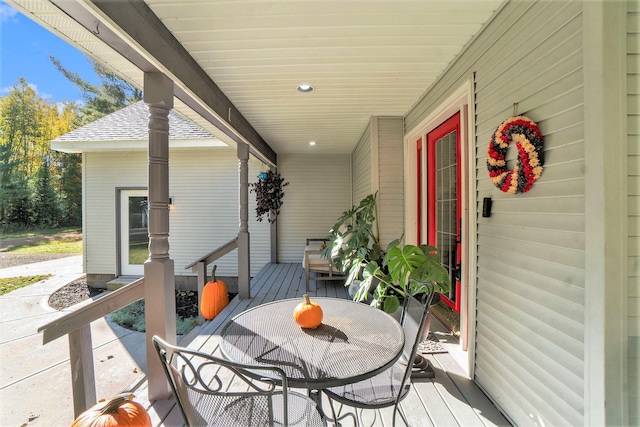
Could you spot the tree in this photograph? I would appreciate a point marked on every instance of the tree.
(27, 125)
(18, 132)
(112, 95)
(45, 212)
(71, 189)
(69, 167)
(19, 114)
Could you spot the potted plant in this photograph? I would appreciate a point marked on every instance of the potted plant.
(404, 270)
(269, 194)
(354, 240)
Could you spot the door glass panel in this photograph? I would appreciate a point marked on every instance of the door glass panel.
(138, 230)
(446, 199)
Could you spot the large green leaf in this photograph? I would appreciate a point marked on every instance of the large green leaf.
(391, 304)
(403, 262)
(422, 264)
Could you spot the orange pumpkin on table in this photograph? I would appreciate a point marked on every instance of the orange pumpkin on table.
(308, 314)
(214, 297)
(119, 411)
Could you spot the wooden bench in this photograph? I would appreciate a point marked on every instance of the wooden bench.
(314, 262)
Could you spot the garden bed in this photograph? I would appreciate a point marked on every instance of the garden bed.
(131, 316)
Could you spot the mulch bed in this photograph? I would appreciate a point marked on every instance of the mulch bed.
(78, 291)
(73, 293)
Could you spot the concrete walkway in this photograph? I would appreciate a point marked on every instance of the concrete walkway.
(35, 379)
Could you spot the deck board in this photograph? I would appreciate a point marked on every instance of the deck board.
(449, 399)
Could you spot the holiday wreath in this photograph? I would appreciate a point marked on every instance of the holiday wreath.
(528, 138)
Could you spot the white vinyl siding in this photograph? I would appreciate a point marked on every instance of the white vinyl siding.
(633, 150)
(361, 165)
(530, 254)
(102, 174)
(205, 212)
(391, 178)
(203, 185)
(382, 171)
(319, 191)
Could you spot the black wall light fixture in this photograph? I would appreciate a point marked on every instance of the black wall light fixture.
(486, 207)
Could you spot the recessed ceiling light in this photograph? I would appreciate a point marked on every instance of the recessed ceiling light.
(304, 88)
(312, 143)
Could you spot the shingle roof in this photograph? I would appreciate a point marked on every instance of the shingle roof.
(131, 124)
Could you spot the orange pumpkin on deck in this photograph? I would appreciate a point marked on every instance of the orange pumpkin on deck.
(119, 411)
(214, 297)
(308, 314)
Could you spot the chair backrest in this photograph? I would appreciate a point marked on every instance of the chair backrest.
(214, 391)
(414, 318)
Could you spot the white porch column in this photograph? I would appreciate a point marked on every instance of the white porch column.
(606, 370)
(273, 239)
(159, 280)
(273, 230)
(244, 270)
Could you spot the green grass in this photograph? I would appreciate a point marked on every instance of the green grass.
(13, 283)
(43, 232)
(59, 246)
(138, 253)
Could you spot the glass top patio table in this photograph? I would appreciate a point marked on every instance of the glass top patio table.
(353, 343)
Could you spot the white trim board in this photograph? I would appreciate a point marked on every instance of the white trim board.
(461, 100)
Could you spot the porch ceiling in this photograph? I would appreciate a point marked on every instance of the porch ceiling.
(364, 58)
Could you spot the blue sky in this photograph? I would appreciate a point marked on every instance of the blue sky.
(24, 52)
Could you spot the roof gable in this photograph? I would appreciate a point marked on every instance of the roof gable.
(127, 128)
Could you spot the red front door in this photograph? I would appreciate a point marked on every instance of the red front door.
(444, 202)
(419, 189)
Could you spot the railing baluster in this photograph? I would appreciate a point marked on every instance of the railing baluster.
(201, 267)
(83, 381)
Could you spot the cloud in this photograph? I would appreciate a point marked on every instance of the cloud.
(7, 12)
(42, 95)
(61, 105)
(33, 87)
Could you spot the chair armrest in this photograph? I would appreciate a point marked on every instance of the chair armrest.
(324, 266)
(312, 239)
(306, 264)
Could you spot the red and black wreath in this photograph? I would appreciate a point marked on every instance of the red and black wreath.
(528, 138)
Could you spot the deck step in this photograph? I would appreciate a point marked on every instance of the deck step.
(120, 281)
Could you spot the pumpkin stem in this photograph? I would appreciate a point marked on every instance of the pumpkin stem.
(213, 273)
(306, 299)
(112, 406)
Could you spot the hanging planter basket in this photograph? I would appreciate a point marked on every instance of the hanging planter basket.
(269, 194)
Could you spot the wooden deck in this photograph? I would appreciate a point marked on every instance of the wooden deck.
(450, 399)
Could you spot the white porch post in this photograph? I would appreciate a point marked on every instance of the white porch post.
(273, 239)
(244, 270)
(273, 230)
(606, 370)
(159, 280)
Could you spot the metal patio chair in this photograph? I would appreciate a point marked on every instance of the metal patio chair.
(390, 387)
(215, 392)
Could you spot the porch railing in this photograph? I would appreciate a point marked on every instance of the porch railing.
(200, 267)
(76, 324)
